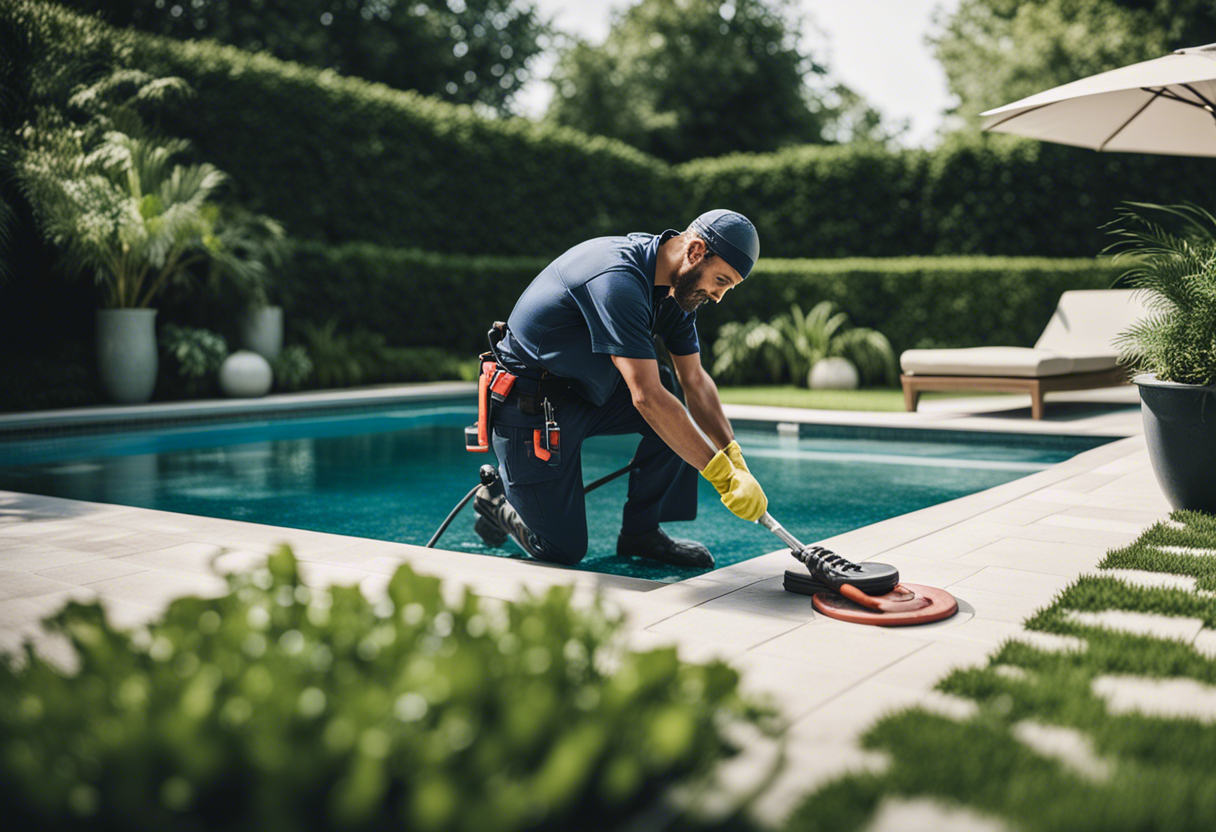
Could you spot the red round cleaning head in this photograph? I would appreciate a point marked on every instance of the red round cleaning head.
(906, 604)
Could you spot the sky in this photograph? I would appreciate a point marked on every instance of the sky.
(876, 47)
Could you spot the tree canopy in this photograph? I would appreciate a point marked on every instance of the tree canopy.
(998, 51)
(466, 51)
(684, 79)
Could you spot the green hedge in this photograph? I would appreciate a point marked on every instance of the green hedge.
(990, 194)
(339, 159)
(919, 302)
(415, 298)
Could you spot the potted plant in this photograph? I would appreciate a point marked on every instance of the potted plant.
(251, 248)
(815, 347)
(1175, 346)
(116, 205)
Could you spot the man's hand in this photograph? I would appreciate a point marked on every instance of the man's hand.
(739, 489)
(736, 455)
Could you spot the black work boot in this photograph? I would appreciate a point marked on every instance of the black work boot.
(497, 520)
(656, 545)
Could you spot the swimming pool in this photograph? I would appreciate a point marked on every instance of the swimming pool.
(393, 473)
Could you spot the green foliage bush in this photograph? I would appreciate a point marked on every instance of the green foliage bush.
(787, 348)
(279, 706)
(337, 359)
(192, 358)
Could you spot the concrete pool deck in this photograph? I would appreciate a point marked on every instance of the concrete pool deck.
(1003, 553)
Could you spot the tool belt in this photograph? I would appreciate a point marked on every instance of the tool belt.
(495, 384)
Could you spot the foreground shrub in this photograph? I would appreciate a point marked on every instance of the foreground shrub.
(278, 706)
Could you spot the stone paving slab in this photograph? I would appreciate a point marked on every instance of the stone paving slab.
(1170, 698)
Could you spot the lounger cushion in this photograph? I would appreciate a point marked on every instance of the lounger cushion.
(1093, 363)
(1018, 362)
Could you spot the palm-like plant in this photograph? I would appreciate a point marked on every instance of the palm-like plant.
(1177, 273)
(122, 209)
(789, 345)
(741, 348)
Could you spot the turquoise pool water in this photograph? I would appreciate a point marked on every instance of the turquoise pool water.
(395, 473)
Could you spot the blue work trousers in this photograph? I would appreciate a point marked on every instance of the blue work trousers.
(549, 498)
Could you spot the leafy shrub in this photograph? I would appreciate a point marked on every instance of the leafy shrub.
(788, 347)
(280, 706)
(291, 368)
(363, 357)
(193, 358)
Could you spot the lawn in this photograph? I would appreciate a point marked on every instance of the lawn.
(1113, 733)
(885, 399)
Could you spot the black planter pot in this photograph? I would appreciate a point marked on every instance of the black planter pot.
(1180, 427)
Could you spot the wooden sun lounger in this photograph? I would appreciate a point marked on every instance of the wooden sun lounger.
(1075, 352)
(1036, 387)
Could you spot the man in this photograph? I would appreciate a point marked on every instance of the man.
(581, 343)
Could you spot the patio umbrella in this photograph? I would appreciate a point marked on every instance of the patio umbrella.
(1166, 105)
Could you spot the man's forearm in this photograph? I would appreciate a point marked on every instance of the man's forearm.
(706, 410)
(663, 412)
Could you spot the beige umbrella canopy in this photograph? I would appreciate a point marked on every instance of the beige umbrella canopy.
(1166, 105)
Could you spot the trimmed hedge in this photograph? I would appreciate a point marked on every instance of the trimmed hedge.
(416, 298)
(339, 159)
(920, 302)
(411, 297)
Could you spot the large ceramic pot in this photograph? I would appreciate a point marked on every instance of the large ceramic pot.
(1180, 427)
(262, 331)
(126, 353)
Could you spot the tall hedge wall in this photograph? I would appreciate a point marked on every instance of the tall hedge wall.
(339, 159)
(417, 299)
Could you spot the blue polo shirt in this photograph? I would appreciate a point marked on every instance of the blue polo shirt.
(595, 301)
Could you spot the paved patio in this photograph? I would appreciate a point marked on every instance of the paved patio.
(1003, 553)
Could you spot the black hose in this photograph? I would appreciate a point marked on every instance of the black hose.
(430, 544)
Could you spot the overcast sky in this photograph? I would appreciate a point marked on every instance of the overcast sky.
(877, 47)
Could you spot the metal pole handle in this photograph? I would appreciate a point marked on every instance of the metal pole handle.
(776, 528)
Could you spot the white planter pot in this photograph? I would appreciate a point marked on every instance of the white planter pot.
(126, 353)
(262, 331)
(833, 374)
(245, 374)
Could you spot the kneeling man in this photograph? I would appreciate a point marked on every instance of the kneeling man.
(580, 342)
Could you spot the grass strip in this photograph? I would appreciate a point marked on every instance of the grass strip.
(1159, 771)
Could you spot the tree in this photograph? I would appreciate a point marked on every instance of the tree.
(684, 79)
(466, 51)
(998, 51)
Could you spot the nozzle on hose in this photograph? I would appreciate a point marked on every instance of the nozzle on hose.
(488, 474)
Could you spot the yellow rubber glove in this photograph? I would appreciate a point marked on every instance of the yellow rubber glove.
(739, 489)
(736, 456)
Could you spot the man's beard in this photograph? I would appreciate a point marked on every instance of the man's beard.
(687, 296)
